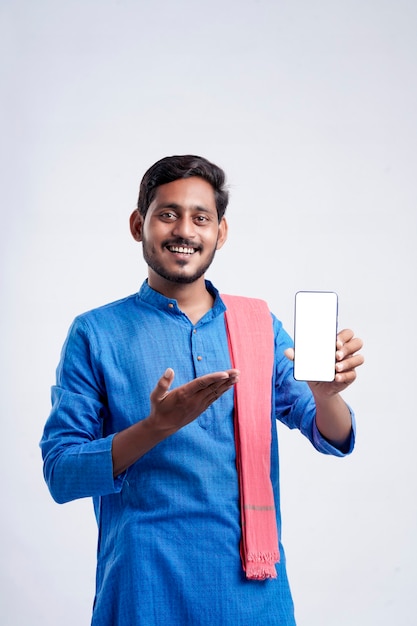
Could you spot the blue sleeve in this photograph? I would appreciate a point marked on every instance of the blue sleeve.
(294, 401)
(77, 456)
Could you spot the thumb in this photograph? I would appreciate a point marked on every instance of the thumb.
(164, 383)
(169, 375)
(289, 353)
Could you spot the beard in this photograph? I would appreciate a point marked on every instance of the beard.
(174, 277)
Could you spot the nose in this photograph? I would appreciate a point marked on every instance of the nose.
(184, 227)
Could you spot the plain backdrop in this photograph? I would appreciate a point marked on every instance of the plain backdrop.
(310, 107)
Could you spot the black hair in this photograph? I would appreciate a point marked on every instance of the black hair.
(172, 168)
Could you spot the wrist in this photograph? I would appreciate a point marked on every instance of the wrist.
(157, 427)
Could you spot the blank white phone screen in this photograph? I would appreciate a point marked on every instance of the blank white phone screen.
(315, 329)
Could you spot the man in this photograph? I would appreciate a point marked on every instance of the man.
(143, 421)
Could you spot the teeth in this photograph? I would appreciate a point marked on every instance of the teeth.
(182, 250)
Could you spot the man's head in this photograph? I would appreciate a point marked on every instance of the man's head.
(180, 219)
(173, 168)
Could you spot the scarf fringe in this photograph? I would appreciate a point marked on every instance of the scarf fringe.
(257, 571)
(260, 566)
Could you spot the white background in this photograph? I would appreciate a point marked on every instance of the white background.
(310, 106)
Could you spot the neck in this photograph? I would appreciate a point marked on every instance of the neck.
(193, 298)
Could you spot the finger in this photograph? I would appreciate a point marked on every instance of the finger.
(214, 379)
(216, 391)
(221, 388)
(345, 378)
(209, 393)
(350, 364)
(348, 348)
(343, 337)
(163, 385)
(289, 353)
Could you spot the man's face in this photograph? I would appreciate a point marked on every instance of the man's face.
(181, 233)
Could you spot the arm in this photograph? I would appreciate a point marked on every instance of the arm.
(333, 417)
(82, 455)
(76, 454)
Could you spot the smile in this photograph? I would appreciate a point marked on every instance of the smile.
(181, 249)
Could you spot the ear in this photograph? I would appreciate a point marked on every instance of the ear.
(136, 224)
(222, 236)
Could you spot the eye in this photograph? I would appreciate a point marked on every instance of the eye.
(201, 219)
(168, 216)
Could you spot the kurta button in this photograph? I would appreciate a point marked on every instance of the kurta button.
(171, 306)
(199, 358)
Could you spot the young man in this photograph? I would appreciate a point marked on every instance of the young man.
(144, 421)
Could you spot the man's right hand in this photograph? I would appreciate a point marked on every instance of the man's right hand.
(170, 411)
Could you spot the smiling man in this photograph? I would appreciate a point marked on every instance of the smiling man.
(177, 447)
(182, 230)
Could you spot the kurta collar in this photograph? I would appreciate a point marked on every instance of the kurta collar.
(155, 299)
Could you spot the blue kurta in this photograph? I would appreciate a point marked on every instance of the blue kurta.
(169, 527)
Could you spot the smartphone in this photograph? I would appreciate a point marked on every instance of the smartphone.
(315, 329)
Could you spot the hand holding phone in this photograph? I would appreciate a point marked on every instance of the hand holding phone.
(315, 330)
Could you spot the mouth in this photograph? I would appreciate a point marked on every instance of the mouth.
(187, 250)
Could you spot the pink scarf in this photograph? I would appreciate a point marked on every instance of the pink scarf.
(251, 345)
